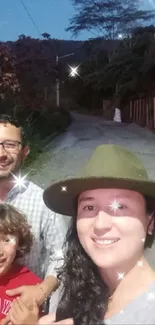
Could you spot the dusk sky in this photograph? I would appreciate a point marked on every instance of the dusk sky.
(51, 16)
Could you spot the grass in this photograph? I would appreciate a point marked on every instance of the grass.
(43, 131)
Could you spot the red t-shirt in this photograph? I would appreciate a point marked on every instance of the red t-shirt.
(17, 276)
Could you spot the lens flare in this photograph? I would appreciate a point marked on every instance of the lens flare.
(74, 71)
(114, 206)
(19, 181)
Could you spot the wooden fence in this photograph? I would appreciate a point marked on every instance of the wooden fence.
(142, 112)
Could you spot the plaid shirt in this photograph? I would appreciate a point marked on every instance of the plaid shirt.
(48, 228)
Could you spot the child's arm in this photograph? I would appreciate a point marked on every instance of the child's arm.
(50, 320)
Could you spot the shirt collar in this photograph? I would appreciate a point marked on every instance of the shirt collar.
(17, 190)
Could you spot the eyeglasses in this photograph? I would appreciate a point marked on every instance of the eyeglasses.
(11, 146)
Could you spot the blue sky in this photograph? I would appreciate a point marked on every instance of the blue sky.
(50, 16)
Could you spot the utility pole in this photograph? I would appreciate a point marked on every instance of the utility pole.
(57, 83)
(57, 80)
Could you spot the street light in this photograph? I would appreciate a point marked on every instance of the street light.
(120, 36)
(74, 71)
(57, 80)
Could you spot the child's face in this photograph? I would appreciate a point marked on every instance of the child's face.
(8, 249)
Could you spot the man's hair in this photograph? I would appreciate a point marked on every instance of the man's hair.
(4, 118)
(13, 222)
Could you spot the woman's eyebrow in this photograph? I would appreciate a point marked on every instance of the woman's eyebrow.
(90, 198)
(84, 199)
(122, 196)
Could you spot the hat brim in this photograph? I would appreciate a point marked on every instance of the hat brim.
(64, 201)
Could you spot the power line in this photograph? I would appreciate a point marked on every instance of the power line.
(31, 18)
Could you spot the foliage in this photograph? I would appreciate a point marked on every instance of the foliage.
(23, 81)
(126, 72)
(35, 151)
(131, 68)
(36, 73)
(107, 18)
(82, 92)
(35, 67)
(9, 85)
(46, 35)
(109, 68)
(38, 129)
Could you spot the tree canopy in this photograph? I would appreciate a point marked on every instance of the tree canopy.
(126, 72)
(9, 85)
(108, 18)
(108, 69)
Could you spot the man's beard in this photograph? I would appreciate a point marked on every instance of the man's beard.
(6, 175)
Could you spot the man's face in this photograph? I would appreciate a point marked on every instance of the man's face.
(111, 226)
(11, 157)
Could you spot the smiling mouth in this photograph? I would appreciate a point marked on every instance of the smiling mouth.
(4, 167)
(4, 164)
(2, 261)
(106, 242)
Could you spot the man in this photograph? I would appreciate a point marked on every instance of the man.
(48, 227)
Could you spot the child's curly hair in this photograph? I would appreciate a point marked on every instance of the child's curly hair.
(14, 223)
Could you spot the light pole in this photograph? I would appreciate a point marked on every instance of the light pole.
(57, 80)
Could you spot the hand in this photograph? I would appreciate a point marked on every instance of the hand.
(6, 321)
(20, 314)
(28, 294)
(50, 320)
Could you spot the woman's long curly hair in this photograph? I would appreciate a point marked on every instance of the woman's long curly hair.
(85, 295)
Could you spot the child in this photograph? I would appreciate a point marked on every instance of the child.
(16, 240)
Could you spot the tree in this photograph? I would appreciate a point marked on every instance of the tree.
(108, 18)
(35, 71)
(131, 70)
(21, 36)
(9, 85)
(46, 35)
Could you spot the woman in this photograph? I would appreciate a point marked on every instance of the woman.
(106, 279)
(105, 276)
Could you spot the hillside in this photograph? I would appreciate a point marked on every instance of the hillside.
(50, 48)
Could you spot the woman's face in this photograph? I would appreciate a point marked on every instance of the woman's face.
(112, 225)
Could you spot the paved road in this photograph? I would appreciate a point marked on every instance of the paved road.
(66, 154)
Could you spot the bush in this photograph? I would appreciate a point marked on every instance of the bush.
(35, 151)
(49, 124)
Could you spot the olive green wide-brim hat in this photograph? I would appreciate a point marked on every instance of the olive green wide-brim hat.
(110, 166)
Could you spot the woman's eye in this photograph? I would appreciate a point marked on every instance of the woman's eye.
(117, 207)
(121, 206)
(89, 208)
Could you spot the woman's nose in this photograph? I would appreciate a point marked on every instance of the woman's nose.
(103, 222)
